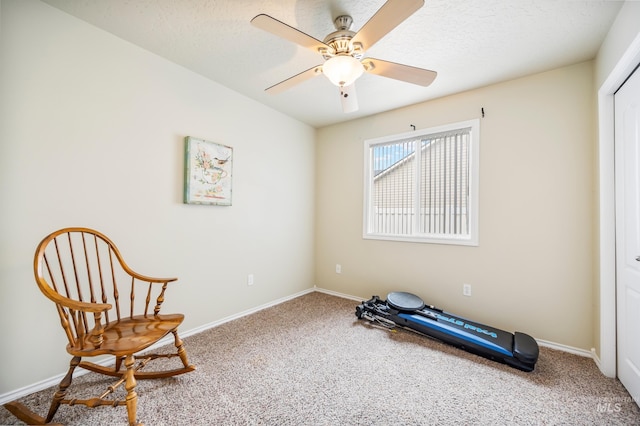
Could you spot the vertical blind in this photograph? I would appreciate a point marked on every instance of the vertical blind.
(421, 186)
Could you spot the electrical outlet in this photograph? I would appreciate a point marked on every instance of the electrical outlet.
(338, 268)
(466, 289)
(250, 279)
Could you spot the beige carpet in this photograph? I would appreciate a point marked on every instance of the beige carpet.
(309, 361)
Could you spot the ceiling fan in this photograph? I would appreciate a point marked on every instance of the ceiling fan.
(344, 50)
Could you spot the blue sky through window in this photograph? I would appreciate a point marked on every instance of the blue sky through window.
(385, 156)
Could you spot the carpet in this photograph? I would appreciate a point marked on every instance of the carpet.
(309, 361)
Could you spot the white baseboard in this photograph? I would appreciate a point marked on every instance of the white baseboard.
(53, 381)
(344, 296)
(596, 359)
(241, 314)
(565, 348)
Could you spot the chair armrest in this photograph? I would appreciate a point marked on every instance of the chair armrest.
(151, 279)
(74, 304)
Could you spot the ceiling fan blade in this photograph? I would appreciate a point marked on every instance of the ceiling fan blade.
(419, 76)
(389, 16)
(348, 98)
(272, 25)
(292, 81)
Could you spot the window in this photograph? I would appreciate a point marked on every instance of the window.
(422, 186)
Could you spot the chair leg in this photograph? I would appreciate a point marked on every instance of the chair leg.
(130, 386)
(119, 360)
(181, 350)
(62, 389)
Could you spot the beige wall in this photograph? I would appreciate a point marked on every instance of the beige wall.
(532, 271)
(91, 134)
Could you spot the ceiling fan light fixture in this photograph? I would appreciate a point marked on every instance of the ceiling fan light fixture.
(342, 70)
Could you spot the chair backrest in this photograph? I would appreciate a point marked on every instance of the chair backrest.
(84, 273)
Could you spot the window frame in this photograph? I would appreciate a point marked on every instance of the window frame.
(472, 238)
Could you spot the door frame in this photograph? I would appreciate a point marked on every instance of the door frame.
(607, 247)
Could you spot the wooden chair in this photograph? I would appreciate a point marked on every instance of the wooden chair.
(105, 308)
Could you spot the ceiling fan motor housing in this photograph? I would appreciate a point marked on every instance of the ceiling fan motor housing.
(340, 40)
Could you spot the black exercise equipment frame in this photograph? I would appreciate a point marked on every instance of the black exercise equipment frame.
(406, 310)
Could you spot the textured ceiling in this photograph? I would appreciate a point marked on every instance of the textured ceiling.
(470, 43)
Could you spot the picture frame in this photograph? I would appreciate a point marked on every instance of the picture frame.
(207, 172)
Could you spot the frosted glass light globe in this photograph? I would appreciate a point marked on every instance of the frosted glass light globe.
(342, 70)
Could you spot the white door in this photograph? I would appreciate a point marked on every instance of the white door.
(627, 164)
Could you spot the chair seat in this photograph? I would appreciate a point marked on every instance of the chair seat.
(128, 335)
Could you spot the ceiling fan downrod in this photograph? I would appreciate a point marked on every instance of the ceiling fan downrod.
(343, 22)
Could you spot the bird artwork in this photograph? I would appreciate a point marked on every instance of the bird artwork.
(208, 172)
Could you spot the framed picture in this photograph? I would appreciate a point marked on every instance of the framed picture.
(207, 172)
